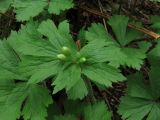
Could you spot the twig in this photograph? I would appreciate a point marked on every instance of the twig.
(105, 98)
(144, 30)
(6, 15)
(141, 29)
(104, 21)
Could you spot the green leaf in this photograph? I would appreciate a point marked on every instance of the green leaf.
(119, 26)
(123, 34)
(136, 84)
(40, 62)
(6, 87)
(115, 56)
(154, 114)
(28, 41)
(131, 35)
(103, 74)
(138, 105)
(98, 111)
(28, 9)
(64, 29)
(97, 32)
(4, 5)
(11, 107)
(103, 48)
(67, 78)
(134, 60)
(155, 52)
(34, 99)
(155, 20)
(144, 46)
(124, 56)
(55, 36)
(135, 108)
(9, 63)
(154, 77)
(65, 117)
(78, 91)
(44, 71)
(36, 103)
(39, 57)
(94, 51)
(57, 6)
(30, 65)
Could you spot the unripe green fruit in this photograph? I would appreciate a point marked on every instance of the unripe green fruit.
(82, 60)
(66, 50)
(61, 57)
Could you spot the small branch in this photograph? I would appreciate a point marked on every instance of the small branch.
(141, 29)
(105, 98)
(144, 30)
(101, 9)
(6, 15)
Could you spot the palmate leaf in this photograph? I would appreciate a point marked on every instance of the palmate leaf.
(97, 32)
(137, 105)
(9, 63)
(25, 10)
(28, 9)
(123, 34)
(6, 87)
(36, 102)
(67, 78)
(135, 108)
(117, 53)
(11, 107)
(134, 57)
(38, 68)
(40, 58)
(56, 6)
(95, 51)
(130, 57)
(29, 41)
(40, 55)
(44, 71)
(119, 27)
(34, 99)
(97, 111)
(57, 37)
(103, 74)
(78, 91)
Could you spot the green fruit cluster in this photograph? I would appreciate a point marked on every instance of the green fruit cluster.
(66, 53)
